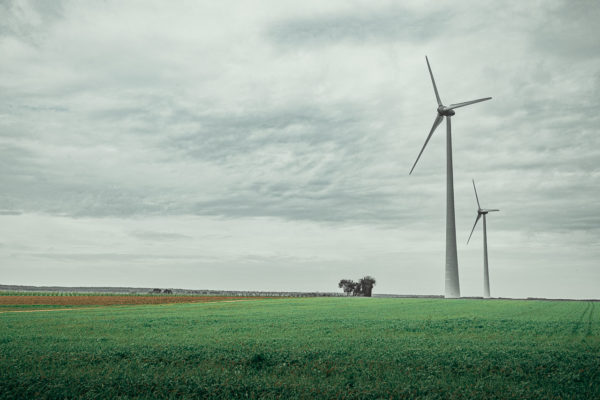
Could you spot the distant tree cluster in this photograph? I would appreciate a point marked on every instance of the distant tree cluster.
(158, 291)
(364, 287)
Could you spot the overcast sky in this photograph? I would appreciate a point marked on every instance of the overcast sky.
(266, 145)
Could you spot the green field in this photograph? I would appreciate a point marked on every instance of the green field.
(357, 348)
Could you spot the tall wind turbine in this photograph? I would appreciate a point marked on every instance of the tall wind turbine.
(452, 289)
(486, 275)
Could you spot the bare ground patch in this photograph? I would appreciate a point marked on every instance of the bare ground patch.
(78, 301)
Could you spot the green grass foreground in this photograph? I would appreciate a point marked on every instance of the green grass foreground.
(347, 348)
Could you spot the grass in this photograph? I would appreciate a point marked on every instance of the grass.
(350, 348)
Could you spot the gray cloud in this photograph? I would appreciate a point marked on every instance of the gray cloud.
(159, 236)
(569, 30)
(363, 26)
(10, 212)
(107, 257)
(28, 20)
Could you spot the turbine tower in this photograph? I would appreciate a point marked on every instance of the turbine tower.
(486, 275)
(452, 286)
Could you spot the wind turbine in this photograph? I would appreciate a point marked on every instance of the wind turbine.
(452, 289)
(486, 275)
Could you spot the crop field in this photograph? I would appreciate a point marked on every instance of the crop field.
(41, 301)
(307, 348)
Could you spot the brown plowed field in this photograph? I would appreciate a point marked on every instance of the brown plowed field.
(112, 300)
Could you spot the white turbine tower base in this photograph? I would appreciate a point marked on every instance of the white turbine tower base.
(452, 285)
(486, 272)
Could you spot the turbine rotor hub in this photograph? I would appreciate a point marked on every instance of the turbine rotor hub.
(443, 110)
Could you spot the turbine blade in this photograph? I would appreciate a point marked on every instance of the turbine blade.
(477, 197)
(437, 121)
(466, 103)
(491, 210)
(476, 220)
(437, 95)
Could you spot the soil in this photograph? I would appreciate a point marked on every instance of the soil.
(112, 300)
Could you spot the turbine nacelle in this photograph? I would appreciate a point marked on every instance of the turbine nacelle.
(445, 111)
(483, 212)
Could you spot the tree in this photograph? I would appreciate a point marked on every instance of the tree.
(348, 285)
(363, 287)
(366, 285)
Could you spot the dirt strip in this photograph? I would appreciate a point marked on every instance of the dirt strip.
(123, 305)
(94, 300)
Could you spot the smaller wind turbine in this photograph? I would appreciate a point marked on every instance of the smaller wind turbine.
(486, 275)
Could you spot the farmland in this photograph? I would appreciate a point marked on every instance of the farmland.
(305, 348)
(41, 301)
